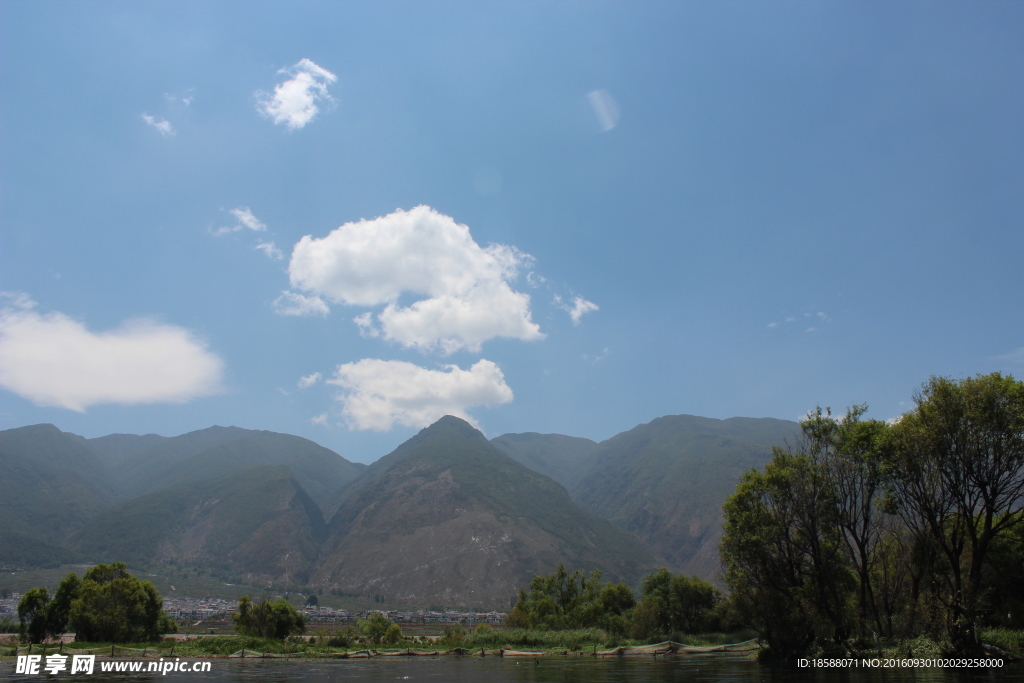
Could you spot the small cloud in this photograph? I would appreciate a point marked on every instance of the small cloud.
(309, 380)
(294, 102)
(292, 303)
(597, 357)
(185, 100)
(812, 329)
(380, 394)
(1013, 358)
(244, 218)
(579, 307)
(773, 325)
(367, 330)
(270, 249)
(320, 419)
(790, 320)
(605, 108)
(162, 125)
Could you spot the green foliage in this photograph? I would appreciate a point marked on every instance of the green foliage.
(112, 605)
(32, 615)
(782, 551)
(41, 616)
(393, 635)
(1008, 639)
(266, 619)
(562, 601)
(375, 627)
(453, 636)
(868, 530)
(674, 604)
(955, 473)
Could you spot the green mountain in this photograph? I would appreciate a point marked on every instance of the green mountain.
(255, 521)
(453, 520)
(320, 471)
(563, 458)
(117, 449)
(665, 481)
(205, 454)
(147, 469)
(51, 483)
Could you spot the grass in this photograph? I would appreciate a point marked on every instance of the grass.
(1011, 640)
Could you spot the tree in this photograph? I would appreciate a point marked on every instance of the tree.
(266, 619)
(111, 605)
(681, 602)
(108, 604)
(782, 552)
(59, 609)
(393, 635)
(375, 626)
(563, 600)
(32, 615)
(312, 601)
(848, 449)
(955, 472)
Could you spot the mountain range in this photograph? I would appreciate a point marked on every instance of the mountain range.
(448, 517)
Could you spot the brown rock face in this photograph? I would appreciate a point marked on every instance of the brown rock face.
(454, 521)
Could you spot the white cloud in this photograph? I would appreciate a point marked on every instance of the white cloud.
(577, 309)
(598, 357)
(366, 328)
(467, 298)
(773, 325)
(605, 108)
(1013, 358)
(270, 249)
(243, 219)
(382, 393)
(320, 419)
(294, 102)
(309, 380)
(162, 125)
(290, 303)
(53, 360)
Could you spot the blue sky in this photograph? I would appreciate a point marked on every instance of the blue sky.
(341, 220)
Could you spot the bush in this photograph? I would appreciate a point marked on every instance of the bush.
(393, 635)
(339, 641)
(267, 619)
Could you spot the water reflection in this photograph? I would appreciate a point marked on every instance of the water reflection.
(553, 670)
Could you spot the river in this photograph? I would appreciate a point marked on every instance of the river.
(542, 670)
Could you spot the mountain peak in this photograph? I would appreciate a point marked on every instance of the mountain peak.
(449, 424)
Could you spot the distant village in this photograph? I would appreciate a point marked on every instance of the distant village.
(214, 609)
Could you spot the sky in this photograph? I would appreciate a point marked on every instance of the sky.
(345, 220)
